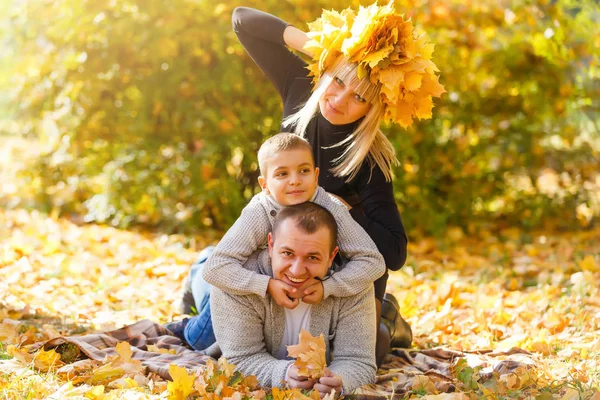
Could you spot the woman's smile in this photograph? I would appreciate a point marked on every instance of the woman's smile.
(333, 109)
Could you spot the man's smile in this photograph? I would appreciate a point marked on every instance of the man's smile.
(296, 280)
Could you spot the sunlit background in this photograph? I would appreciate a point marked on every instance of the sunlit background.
(143, 118)
(135, 112)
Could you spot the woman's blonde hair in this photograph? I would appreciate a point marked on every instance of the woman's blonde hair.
(367, 140)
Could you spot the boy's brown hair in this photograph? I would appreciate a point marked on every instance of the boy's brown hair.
(283, 141)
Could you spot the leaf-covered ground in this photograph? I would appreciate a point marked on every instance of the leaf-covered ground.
(482, 291)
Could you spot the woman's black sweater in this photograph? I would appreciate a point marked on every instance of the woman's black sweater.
(369, 194)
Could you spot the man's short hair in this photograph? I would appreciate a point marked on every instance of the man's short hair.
(309, 217)
(283, 141)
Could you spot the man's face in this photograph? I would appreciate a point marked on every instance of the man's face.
(298, 257)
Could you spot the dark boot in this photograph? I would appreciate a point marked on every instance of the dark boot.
(187, 304)
(177, 328)
(400, 331)
(382, 346)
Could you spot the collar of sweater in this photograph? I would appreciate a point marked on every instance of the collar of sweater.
(273, 204)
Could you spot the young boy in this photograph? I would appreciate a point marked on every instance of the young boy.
(288, 177)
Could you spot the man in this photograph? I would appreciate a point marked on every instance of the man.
(253, 331)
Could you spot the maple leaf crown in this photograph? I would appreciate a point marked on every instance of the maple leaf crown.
(386, 50)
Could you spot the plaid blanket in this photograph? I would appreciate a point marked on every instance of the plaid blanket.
(394, 378)
(140, 335)
(403, 367)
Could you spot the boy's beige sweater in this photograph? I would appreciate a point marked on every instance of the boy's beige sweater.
(363, 263)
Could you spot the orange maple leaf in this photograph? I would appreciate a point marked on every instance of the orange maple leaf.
(309, 354)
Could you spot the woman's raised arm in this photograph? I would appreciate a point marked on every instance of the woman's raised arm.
(262, 35)
(295, 39)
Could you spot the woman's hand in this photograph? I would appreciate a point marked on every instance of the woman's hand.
(329, 382)
(344, 202)
(295, 39)
(301, 382)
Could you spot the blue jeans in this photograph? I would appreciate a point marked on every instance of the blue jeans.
(198, 331)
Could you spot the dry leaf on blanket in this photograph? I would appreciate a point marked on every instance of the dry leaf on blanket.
(309, 354)
(155, 349)
(182, 384)
(117, 366)
(125, 361)
(425, 383)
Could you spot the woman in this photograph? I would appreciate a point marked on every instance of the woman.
(340, 117)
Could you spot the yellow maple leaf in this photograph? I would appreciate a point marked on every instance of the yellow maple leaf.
(423, 106)
(309, 354)
(362, 29)
(124, 350)
(425, 49)
(431, 86)
(42, 360)
(403, 113)
(182, 384)
(124, 361)
(47, 360)
(412, 81)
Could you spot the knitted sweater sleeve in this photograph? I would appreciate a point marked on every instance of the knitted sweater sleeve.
(261, 34)
(239, 328)
(364, 262)
(354, 342)
(224, 268)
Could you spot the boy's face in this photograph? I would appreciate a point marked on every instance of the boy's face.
(291, 177)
